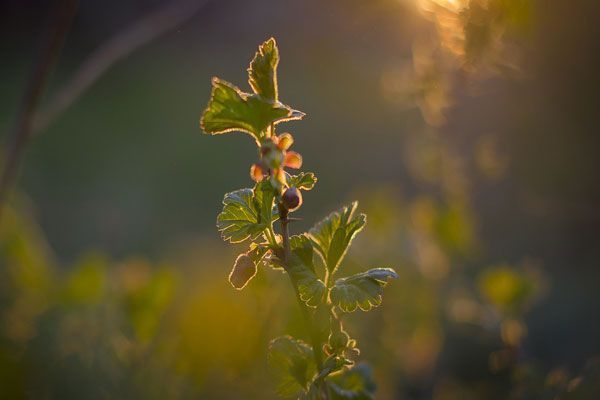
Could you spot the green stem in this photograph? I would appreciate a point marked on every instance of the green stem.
(326, 277)
(315, 341)
(270, 235)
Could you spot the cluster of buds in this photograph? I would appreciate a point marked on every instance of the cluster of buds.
(340, 343)
(275, 156)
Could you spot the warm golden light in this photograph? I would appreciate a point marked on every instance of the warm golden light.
(446, 15)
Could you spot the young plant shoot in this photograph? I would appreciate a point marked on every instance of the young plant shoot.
(325, 368)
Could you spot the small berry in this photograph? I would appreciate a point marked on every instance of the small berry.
(243, 270)
(291, 199)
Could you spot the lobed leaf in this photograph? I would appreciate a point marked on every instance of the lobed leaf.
(262, 73)
(333, 235)
(301, 269)
(229, 109)
(291, 362)
(264, 194)
(362, 290)
(353, 384)
(304, 180)
(246, 213)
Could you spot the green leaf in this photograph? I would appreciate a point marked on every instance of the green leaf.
(353, 384)
(239, 219)
(291, 362)
(333, 235)
(230, 109)
(264, 194)
(247, 213)
(262, 73)
(332, 364)
(312, 394)
(301, 269)
(362, 290)
(304, 180)
(302, 248)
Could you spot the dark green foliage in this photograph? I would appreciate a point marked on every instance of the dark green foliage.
(355, 384)
(291, 362)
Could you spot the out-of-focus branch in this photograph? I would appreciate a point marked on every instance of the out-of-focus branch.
(116, 48)
(28, 122)
(51, 43)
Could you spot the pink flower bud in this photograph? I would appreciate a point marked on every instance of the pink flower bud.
(256, 173)
(293, 160)
(285, 141)
(271, 155)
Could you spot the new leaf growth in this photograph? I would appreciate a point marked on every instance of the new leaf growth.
(325, 368)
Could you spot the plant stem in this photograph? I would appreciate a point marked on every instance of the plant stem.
(314, 337)
(270, 235)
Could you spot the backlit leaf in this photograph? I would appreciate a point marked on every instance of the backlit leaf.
(230, 109)
(264, 194)
(304, 180)
(262, 73)
(291, 362)
(362, 290)
(312, 290)
(247, 212)
(239, 219)
(333, 235)
(353, 384)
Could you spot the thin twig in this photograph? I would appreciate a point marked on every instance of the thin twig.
(51, 43)
(118, 47)
(123, 43)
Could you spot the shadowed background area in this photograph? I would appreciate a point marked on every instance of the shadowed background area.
(467, 129)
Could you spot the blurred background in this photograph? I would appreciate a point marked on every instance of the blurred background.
(467, 129)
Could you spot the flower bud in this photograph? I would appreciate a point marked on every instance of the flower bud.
(338, 340)
(285, 141)
(291, 199)
(257, 173)
(278, 179)
(271, 155)
(293, 160)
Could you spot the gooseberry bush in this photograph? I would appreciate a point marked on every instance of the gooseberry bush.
(325, 368)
